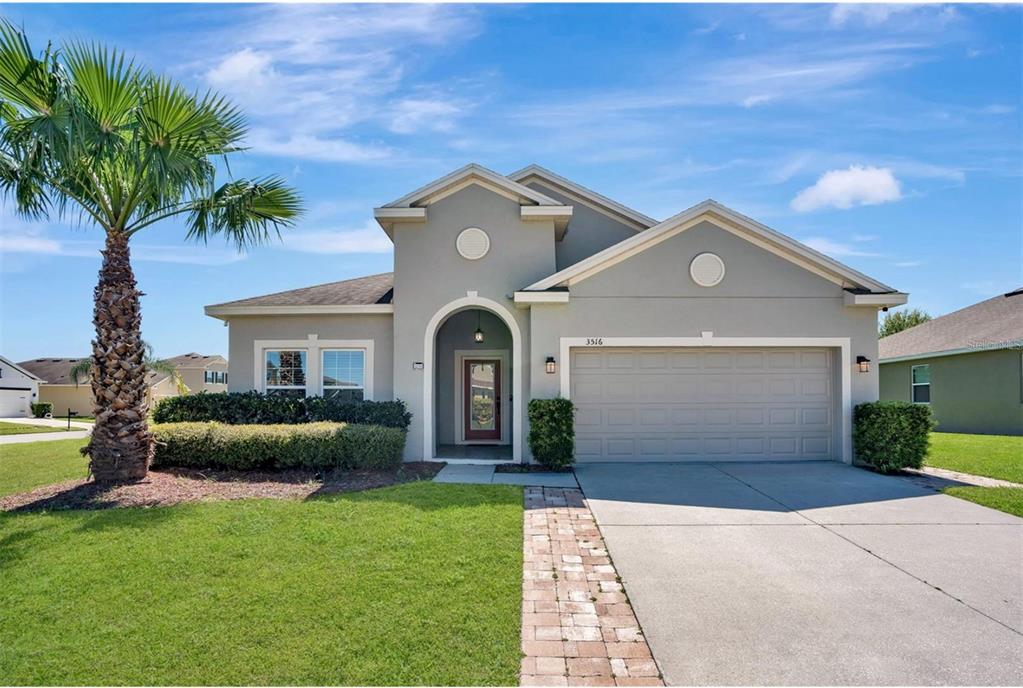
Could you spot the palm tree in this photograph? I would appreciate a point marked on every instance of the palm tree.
(82, 370)
(84, 130)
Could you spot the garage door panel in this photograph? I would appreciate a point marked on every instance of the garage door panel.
(719, 404)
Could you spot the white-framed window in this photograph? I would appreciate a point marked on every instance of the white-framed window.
(285, 372)
(920, 376)
(343, 373)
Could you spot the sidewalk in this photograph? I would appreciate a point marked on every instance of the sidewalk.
(486, 475)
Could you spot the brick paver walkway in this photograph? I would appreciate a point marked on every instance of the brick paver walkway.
(578, 628)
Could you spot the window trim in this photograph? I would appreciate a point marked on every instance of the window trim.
(913, 384)
(324, 387)
(312, 344)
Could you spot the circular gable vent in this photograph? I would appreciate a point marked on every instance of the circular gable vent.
(707, 269)
(472, 243)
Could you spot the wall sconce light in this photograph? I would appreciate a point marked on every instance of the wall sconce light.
(864, 363)
(477, 336)
(551, 365)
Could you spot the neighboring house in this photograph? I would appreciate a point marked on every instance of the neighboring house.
(19, 388)
(201, 373)
(60, 390)
(705, 336)
(968, 365)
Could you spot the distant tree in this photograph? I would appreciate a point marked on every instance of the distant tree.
(85, 131)
(897, 321)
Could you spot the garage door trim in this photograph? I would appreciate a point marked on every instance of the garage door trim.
(843, 344)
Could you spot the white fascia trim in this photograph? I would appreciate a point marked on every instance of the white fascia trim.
(388, 217)
(876, 300)
(528, 297)
(726, 219)
(429, 192)
(843, 344)
(21, 370)
(313, 346)
(588, 197)
(223, 312)
(954, 352)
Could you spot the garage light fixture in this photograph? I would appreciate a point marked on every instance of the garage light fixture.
(864, 363)
(551, 365)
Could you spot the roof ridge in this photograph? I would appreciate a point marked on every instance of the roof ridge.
(310, 286)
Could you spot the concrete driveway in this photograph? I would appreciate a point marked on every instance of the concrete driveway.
(812, 573)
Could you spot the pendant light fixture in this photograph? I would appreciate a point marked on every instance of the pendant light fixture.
(477, 336)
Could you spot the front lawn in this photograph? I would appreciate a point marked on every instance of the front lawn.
(408, 585)
(23, 429)
(1007, 499)
(994, 456)
(32, 464)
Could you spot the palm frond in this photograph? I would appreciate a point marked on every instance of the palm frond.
(246, 212)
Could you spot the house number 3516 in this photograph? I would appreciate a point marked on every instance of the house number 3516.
(594, 341)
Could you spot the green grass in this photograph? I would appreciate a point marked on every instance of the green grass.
(408, 585)
(1007, 499)
(22, 429)
(34, 464)
(994, 456)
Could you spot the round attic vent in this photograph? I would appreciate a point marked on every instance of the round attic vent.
(472, 243)
(707, 269)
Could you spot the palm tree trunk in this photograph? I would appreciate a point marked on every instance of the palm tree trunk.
(121, 446)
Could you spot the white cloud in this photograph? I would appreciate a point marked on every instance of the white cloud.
(836, 249)
(243, 69)
(369, 238)
(844, 189)
(753, 101)
(871, 14)
(417, 114)
(28, 244)
(314, 147)
(908, 263)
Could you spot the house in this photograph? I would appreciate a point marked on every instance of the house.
(201, 373)
(60, 389)
(19, 389)
(704, 336)
(968, 365)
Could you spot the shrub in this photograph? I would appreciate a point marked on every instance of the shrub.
(320, 445)
(891, 435)
(40, 409)
(253, 408)
(552, 432)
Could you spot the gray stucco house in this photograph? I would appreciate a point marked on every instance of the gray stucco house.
(968, 365)
(704, 336)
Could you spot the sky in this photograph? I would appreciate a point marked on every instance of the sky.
(888, 137)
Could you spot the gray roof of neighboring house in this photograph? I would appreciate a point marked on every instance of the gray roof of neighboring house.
(993, 324)
(369, 290)
(57, 371)
(194, 360)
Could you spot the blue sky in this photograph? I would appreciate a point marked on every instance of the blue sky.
(886, 136)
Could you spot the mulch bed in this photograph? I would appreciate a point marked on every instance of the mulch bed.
(527, 468)
(169, 486)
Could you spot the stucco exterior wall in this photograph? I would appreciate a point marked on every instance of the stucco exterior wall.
(63, 397)
(245, 330)
(973, 393)
(430, 274)
(589, 232)
(195, 378)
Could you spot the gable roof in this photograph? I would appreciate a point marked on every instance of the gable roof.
(727, 219)
(194, 360)
(471, 173)
(57, 371)
(580, 194)
(993, 324)
(372, 294)
(21, 370)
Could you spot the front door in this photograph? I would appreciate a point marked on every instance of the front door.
(481, 398)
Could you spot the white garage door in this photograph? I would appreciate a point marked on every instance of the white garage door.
(14, 403)
(686, 404)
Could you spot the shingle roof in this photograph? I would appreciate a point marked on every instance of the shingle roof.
(992, 324)
(353, 292)
(57, 371)
(194, 360)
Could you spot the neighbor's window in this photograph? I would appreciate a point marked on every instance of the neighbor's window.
(285, 373)
(344, 374)
(208, 377)
(921, 384)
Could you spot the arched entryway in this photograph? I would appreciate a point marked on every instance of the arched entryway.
(472, 382)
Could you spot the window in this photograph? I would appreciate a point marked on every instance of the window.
(223, 377)
(285, 372)
(344, 374)
(208, 377)
(921, 388)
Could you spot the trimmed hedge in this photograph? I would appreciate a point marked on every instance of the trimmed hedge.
(891, 435)
(253, 408)
(552, 432)
(41, 408)
(310, 445)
